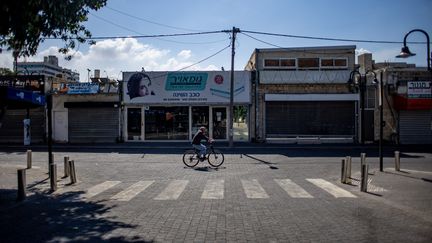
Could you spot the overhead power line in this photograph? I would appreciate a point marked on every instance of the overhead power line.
(149, 21)
(156, 37)
(329, 39)
(196, 63)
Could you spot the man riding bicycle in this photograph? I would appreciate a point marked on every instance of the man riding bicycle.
(196, 141)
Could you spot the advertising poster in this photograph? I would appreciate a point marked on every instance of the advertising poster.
(419, 89)
(185, 87)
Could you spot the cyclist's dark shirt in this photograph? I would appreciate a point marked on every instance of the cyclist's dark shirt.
(198, 137)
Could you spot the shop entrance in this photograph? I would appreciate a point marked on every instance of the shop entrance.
(134, 123)
(179, 123)
(200, 118)
(219, 117)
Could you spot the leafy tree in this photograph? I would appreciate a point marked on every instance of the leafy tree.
(24, 24)
(6, 71)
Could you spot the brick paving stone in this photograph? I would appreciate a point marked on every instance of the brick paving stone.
(402, 212)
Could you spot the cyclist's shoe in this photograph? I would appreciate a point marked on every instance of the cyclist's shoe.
(202, 159)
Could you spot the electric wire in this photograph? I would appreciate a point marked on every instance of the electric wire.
(330, 39)
(196, 63)
(151, 36)
(148, 21)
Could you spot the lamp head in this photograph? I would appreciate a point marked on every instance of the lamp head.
(405, 52)
(375, 81)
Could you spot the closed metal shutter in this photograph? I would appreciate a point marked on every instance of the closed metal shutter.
(12, 127)
(93, 125)
(317, 118)
(415, 127)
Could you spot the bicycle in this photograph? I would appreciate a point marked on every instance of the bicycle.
(213, 156)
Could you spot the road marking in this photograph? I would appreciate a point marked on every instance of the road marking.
(331, 188)
(253, 189)
(132, 191)
(292, 188)
(173, 190)
(93, 191)
(214, 189)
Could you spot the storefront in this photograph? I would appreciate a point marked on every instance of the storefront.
(415, 113)
(171, 106)
(294, 116)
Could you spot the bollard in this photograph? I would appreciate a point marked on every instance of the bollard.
(72, 172)
(53, 177)
(348, 170)
(29, 159)
(66, 167)
(21, 184)
(343, 172)
(363, 159)
(364, 177)
(397, 161)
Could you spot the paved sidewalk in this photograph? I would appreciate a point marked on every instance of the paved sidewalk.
(260, 197)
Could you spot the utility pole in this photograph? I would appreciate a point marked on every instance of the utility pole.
(231, 105)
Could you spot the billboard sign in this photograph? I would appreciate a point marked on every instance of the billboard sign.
(419, 89)
(185, 87)
(82, 88)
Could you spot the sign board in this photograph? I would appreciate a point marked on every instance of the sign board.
(82, 88)
(28, 82)
(419, 89)
(25, 96)
(191, 87)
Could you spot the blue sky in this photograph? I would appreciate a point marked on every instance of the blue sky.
(365, 20)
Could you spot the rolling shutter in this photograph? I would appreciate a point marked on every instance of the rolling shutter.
(415, 127)
(93, 125)
(317, 118)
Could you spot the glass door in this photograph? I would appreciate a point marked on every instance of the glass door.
(134, 124)
(200, 118)
(219, 115)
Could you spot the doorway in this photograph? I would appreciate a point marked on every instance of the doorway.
(219, 120)
(134, 124)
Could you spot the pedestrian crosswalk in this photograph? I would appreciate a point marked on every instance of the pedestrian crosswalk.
(214, 189)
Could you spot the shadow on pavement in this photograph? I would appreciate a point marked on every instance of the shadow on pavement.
(45, 218)
(270, 164)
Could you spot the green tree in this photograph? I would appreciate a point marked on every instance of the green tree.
(6, 71)
(24, 24)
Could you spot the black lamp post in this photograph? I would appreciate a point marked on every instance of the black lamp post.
(405, 52)
(361, 84)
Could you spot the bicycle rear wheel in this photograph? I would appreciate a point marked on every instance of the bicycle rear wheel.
(190, 158)
(216, 158)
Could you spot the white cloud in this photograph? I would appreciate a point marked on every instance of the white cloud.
(361, 51)
(185, 54)
(116, 55)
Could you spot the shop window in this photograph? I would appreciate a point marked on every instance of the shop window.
(167, 123)
(271, 63)
(340, 62)
(333, 63)
(288, 63)
(308, 63)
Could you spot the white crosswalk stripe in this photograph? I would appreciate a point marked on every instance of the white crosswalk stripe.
(214, 189)
(253, 189)
(92, 191)
(292, 188)
(132, 191)
(331, 188)
(173, 190)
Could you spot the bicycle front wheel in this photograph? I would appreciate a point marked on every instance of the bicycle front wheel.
(216, 158)
(190, 158)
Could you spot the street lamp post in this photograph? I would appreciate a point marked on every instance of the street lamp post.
(405, 52)
(361, 84)
(353, 83)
